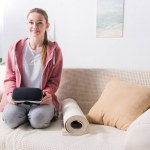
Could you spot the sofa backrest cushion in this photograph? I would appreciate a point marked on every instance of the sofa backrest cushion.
(86, 85)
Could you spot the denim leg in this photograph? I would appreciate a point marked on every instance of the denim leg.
(40, 116)
(14, 115)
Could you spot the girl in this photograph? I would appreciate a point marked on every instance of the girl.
(33, 62)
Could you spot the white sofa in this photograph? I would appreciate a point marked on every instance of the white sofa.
(85, 86)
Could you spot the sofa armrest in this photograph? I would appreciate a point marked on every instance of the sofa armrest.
(138, 133)
(2, 77)
(1, 92)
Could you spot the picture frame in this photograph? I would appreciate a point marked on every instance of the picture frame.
(110, 18)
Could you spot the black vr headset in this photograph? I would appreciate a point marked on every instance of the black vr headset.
(27, 95)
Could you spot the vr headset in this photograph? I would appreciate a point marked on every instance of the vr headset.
(27, 95)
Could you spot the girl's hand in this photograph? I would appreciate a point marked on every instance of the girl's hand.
(9, 99)
(47, 99)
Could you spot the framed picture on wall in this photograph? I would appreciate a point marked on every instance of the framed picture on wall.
(110, 18)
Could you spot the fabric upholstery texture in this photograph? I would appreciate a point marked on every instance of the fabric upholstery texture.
(120, 104)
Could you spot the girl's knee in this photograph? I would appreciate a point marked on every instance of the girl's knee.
(12, 116)
(39, 121)
(41, 116)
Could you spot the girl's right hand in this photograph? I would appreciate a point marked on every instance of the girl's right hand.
(9, 99)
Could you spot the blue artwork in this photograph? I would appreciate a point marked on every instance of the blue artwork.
(110, 18)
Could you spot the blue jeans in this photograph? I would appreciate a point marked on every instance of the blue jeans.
(39, 116)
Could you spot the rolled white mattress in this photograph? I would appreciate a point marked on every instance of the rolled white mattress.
(74, 121)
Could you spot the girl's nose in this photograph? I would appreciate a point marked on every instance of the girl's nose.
(35, 25)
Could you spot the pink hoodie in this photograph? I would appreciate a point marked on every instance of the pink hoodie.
(51, 73)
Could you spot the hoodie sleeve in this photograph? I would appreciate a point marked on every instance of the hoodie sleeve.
(10, 78)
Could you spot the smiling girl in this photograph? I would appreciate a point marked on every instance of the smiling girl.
(33, 62)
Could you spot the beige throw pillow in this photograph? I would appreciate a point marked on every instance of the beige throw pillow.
(120, 104)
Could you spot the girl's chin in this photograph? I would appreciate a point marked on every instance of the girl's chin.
(35, 35)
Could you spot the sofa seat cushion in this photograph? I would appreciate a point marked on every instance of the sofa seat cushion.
(24, 137)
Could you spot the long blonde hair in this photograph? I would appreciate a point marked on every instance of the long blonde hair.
(45, 41)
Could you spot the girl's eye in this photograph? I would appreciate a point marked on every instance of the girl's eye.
(36, 23)
(30, 22)
(39, 23)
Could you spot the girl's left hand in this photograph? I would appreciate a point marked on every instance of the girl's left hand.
(47, 99)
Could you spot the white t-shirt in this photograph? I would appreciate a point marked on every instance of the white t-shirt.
(32, 67)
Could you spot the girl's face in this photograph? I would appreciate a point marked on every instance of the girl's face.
(37, 24)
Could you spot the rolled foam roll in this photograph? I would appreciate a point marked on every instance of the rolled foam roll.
(74, 120)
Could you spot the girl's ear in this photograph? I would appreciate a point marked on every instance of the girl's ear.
(48, 25)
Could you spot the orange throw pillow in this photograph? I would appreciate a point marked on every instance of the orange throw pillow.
(120, 103)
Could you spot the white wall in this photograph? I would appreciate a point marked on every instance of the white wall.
(75, 24)
(1, 26)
